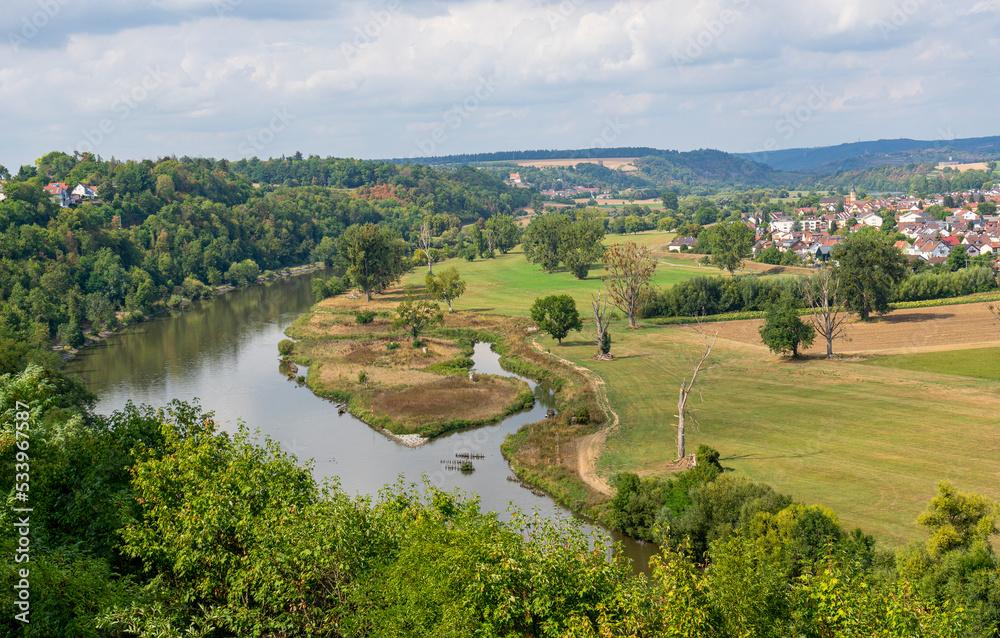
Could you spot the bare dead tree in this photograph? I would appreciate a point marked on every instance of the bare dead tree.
(602, 317)
(490, 237)
(688, 385)
(424, 243)
(822, 294)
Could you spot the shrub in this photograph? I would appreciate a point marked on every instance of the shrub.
(582, 415)
(417, 343)
(392, 345)
(364, 316)
(285, 347)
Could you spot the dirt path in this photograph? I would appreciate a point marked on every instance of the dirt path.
(588, 448)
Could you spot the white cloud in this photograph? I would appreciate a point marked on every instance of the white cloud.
(365, 78)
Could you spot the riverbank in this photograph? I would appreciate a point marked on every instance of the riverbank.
(125, 320)
(414, 396)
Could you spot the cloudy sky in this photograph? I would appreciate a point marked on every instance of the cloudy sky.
(403, 78)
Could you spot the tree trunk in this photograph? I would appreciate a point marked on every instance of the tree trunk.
(680, 422)
(368, 295)
(430, 269)
(829, 346)
(450, 309)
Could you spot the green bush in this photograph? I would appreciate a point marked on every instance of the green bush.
(392, 345)
(285, 347)
(364, 316)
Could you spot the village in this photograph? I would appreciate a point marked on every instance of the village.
(933, 227)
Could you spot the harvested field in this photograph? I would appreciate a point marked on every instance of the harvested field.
(900, 332)
(450, 398)
(614, 163)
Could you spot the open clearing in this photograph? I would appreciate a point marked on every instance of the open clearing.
(957, 327)
(509, 285)
(614, 163)
(869, 442)
(981, 363)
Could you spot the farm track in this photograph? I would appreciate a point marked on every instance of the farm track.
(589, 447)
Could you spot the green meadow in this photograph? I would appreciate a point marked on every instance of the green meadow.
(981, 363)
(868, 438)
(508, 284)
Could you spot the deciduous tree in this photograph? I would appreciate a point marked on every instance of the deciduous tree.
(731, 244)
(869, 268)
(784, 331)
(628, 269)
(822, 293)
(416, 315)
(373, 257)
(506, 232)
(446, 286)
(556, 315)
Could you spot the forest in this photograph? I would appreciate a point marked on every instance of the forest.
(162, 232)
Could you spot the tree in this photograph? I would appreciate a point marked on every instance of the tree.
(243, 273)
(372, 255)
(580, 245)
(688, 384)
(416, 315)
(602, 318)
(629, 268)
(424, 242)
(770, 255)
(542, 239)
(870, 268)
(822, 293)
(556, 315)
(957, 258)
(505, 232)
(783, 330)
(669, 200)
(731, 244)
(957, 519)
(446, 286)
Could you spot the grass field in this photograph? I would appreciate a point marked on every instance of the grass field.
(509, 285)
(869, 442)
(868, 437)
(981, 363)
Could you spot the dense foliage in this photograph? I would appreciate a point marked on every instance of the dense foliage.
(153, 523)
(161, 232)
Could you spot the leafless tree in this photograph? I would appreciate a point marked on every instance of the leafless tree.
(602, 317)
(822, 294)
(424, 243)
(688, 384)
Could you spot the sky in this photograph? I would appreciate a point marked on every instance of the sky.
(136, 79)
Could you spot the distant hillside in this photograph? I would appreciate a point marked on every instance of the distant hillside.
(517, 156)
(657, 168)
(861, 155)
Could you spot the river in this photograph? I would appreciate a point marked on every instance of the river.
(223, 352)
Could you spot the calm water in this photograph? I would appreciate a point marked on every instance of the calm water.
(223, 351)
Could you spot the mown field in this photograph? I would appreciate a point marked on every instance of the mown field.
(509, 285)
(868, 437)
(869, 442)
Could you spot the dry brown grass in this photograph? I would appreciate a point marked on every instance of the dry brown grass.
(900, 332)
(447, 398)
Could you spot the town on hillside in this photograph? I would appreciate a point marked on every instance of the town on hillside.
(933, 227)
